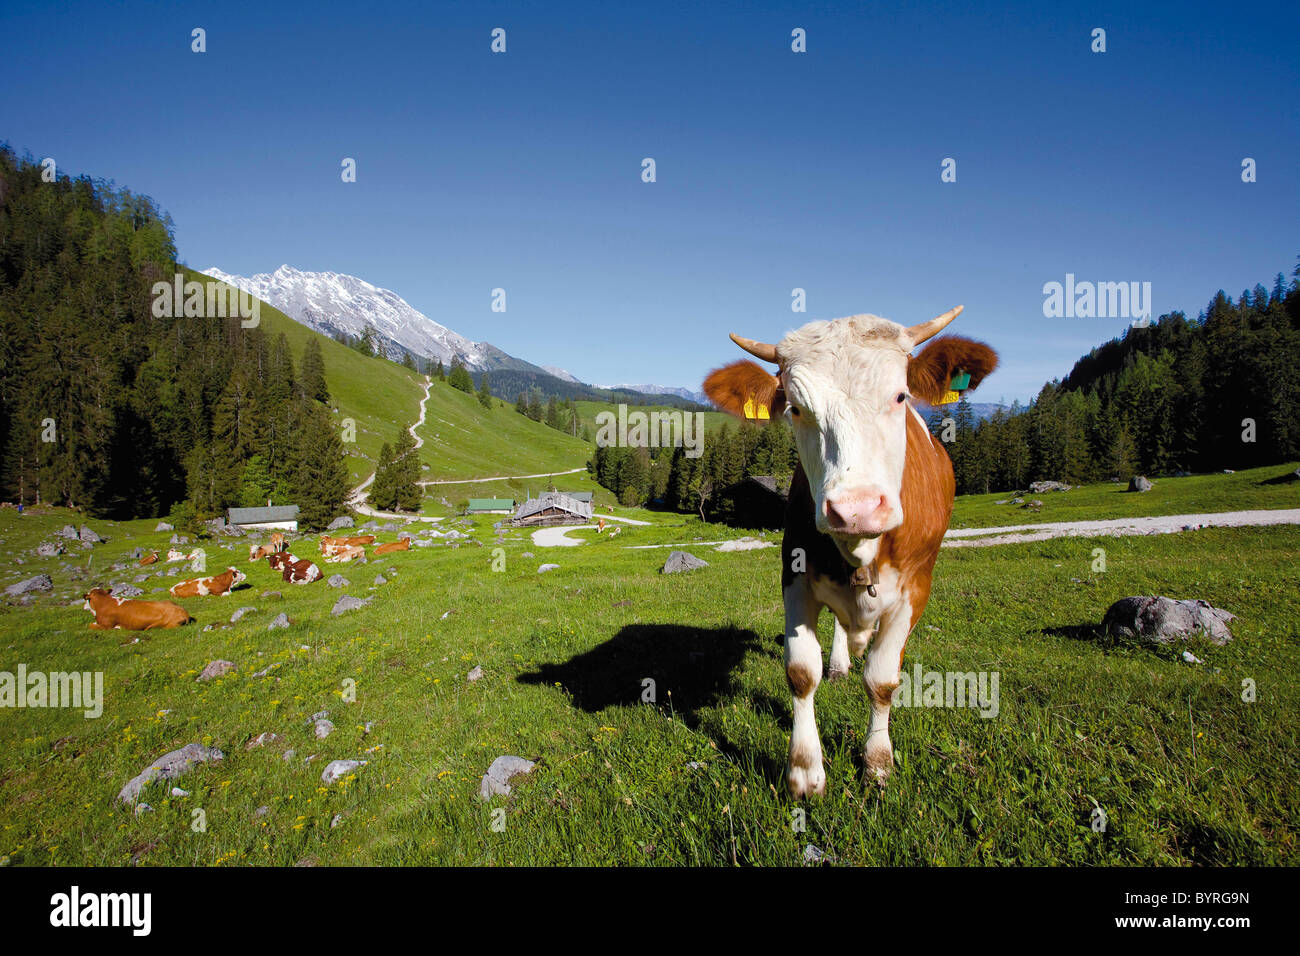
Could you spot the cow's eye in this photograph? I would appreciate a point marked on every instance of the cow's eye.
(794, 410)
(902, 397)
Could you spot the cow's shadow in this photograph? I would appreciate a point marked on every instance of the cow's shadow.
(692, 668)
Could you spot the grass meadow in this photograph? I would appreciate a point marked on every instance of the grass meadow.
(1186, 771)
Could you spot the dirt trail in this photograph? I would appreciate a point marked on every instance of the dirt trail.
(1117, 527)
(357, 500)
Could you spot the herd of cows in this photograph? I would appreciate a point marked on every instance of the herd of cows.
(134, 614)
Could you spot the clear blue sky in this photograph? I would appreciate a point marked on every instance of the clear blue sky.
(775, 170)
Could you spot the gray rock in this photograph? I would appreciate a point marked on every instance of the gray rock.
(49, 549)
(322, 728)
(681, 561)
(272, 595)
(126, 591)
(497, 778)
(542, 569)
(281, 620)
(336, 770)
(88, 536)
(348, 603)
(380, 579)
(216, 669)
(69, 532)
(141, 577)
(476, 673)
(41, 582)
(1162, 620)
(338, 581)
(171, 572)
(344, 522)
(180, 539)
(168, 767)
(526, 554)
(238, 615)
(1039, 487)
(163, 526)
(1139, 483)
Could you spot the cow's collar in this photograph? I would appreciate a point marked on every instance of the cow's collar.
(865, 576)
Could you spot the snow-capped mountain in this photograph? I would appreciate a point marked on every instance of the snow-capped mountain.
(662, 390)
(563, 374)
(330, 302)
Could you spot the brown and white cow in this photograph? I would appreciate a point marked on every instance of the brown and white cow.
(219, 584)
(148, 559)
(280, 560)
(346, 553)
(301, 572)
(277, 546)
(115, 612)
(331, 546)
(402, 545)
(869, 502)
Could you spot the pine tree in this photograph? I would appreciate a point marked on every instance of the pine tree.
(313, 372)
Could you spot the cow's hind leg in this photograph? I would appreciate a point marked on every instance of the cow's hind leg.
(844, 645)
(881, 678)
(803, 671)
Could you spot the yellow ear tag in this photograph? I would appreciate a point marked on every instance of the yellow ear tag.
(749, 408)
(755, 410)
(949, 397)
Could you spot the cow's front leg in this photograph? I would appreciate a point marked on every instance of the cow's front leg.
(839, 653)
(803, 671)
(881, 678)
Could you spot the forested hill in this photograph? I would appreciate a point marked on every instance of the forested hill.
(1220, 391)
(108, 407)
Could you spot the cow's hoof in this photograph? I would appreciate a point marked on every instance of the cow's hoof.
(837, 671)
(806, 782)
(879, 765)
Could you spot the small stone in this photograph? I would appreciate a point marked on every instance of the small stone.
(271, 595)
(281, 620)
(476, 674)
(348, 603)
(126, 591)
(380, 580)
(168, 766)
(336, 770)
(178, 792)
(323, 728)
(238, 615)
(681, 561)
(497, 778)
(338, 581)
(163, 526)
(547, 567)
(216, 669)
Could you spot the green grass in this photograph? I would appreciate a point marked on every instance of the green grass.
(1195, 494)
(713, 421)
(1186, 771)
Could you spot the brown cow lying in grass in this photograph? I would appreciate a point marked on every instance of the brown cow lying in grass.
(403, 545)
(115, 612)
(149, 558)
(332, 546)
(219, 584)
(344, 554)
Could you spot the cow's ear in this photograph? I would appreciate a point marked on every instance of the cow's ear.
(746, 390)
(930, 373)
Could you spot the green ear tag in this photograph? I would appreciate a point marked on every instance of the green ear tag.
(960, 381)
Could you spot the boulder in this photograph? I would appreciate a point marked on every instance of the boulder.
(497, 778)
(1162, 620)
(547, 567)
(1139, 483)
(163, 526)
(49, 549)
(343, 522)
(338, 581)
(1039, 487)
(281, 620)
(681, 561)
(168, 767)
(234, 618)
(88, 536)
(41, 582)
(126, 591)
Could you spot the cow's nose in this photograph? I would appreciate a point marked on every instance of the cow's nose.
(862, 511)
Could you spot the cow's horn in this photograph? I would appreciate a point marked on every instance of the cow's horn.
(757, 349)
(926, 330)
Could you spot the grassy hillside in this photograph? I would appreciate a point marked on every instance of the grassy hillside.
(1186, 771)
(462, 440)
(587, 412)
(1195, 494)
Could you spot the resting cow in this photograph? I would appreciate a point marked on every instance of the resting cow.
(403, 545)
(869, 502)
(301, 572)
(149, 558)
(220, 585)
(330, 546)
(115, 612)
